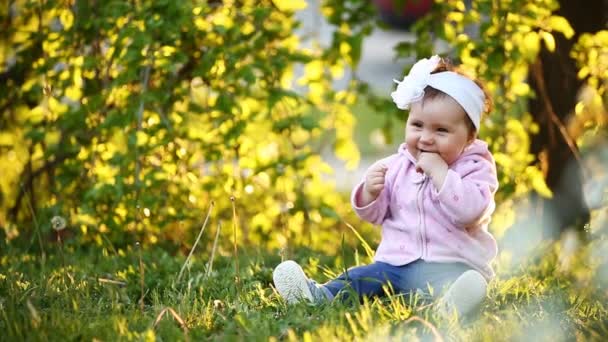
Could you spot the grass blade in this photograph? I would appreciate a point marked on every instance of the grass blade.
(200, 233)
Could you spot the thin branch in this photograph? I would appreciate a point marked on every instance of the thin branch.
(542, 90)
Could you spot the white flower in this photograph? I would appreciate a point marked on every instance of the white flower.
(411, 89)
(58, 223)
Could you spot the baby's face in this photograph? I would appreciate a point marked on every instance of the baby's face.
(438, 126)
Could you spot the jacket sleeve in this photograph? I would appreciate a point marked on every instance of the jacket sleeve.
(376, 211)
(467, 196)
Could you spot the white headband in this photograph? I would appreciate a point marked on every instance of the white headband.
(462, 89)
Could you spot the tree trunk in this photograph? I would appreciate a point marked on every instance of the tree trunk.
(554, 80)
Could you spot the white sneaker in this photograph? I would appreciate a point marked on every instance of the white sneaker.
(465, 295)
(292, 284)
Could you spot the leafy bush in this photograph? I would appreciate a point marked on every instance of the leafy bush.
(132, 119)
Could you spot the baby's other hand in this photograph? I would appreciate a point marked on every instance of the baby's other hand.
(433, 166)
(374, 180)
(429, 162)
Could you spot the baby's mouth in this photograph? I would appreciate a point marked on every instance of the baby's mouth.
(420, 151)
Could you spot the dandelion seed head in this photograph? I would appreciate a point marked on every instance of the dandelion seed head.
(218, 304)
(58, 223)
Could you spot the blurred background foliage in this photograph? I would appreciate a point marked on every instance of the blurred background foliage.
(131, 119)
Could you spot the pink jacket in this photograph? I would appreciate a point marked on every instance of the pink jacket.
(445, 225)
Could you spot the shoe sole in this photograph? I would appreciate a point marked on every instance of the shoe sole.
(290, 281)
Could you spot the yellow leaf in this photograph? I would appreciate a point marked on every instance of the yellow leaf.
(314, 70)
(119, 141)
(521, 89)
(74, 93)
(36, 114)
(202, 24)
(167, 50)
(223, 19)
(56, 107)
(531, 44)
(561, 24)
(290, 5)
(287, 78)
(578, 109)
(455, 16)
(142, 138)
(67, 19)
(247, 28)
(28, 84)
(121, 211)
(299, 136)
(538, 183)
(450, 33)
(583, 72)
(346, 150)
(52, 137)
(6, 139)
(549, 40)
(337, 70)
(460, 6)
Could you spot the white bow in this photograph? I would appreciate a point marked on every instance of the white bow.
(462, 89)
(411, 89)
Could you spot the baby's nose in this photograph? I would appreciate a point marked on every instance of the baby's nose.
(426, 137)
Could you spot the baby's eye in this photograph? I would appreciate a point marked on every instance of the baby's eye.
(442, 130)
(416, 124)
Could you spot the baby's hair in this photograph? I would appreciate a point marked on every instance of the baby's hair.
(432, 93)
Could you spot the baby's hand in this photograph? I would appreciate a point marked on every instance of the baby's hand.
(428, 162)
(433, 166)
(374, 181)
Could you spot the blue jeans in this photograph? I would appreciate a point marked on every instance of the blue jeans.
(368, 280)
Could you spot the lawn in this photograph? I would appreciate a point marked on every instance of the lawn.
(80, 293)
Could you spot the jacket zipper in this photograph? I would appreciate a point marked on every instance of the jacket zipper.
(420, 210)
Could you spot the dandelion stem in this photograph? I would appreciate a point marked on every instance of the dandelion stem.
(60, 242)
(217, 235)
(141, 277)
(236, 250)
(200, 233)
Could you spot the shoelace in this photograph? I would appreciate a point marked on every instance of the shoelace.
(317, 293)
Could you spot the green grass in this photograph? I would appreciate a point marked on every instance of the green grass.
(547, 298)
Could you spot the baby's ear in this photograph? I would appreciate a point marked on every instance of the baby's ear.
(472, 137)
